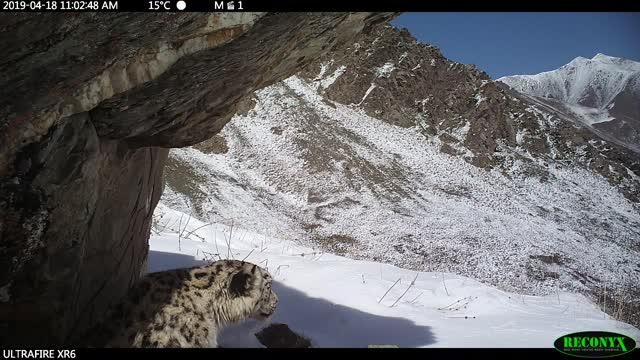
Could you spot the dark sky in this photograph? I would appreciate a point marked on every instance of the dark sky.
(525, 43)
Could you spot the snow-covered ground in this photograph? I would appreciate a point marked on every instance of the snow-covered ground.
(340, 302)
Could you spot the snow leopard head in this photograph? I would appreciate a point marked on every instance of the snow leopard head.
(256, 283)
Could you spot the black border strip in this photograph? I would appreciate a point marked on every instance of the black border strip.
(281, 354)
(320, 5)
(307, 354)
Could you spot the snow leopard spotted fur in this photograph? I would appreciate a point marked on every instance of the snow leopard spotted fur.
(187, 307)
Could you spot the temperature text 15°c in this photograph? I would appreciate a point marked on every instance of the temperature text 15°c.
(217, 5)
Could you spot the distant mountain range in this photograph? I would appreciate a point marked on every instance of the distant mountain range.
(602, 93)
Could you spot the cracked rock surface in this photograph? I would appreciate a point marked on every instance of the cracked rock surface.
(89, 105)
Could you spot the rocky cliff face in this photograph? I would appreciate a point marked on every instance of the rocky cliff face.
(88, 105)
(396, 79)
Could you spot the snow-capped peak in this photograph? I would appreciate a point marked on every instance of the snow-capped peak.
(622, 64)
(601, 56)
(591, 82)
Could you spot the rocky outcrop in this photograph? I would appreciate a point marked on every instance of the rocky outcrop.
(88, 105)
(281, 336)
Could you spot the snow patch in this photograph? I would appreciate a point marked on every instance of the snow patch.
(329, 80)
(402, 57)
(366, 94)
(385, 70)
(479, 98)
(590, 115)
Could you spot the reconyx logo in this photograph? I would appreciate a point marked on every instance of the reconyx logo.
(594, 344)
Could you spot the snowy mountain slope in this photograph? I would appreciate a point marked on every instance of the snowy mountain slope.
(325, 174)
(338, 302)
(597, 91)
(387, 151)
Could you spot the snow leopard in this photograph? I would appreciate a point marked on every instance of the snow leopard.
(186, 307)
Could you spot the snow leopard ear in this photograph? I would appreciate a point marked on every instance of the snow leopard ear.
(240, 284)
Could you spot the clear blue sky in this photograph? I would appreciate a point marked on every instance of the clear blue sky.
(525, 43)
